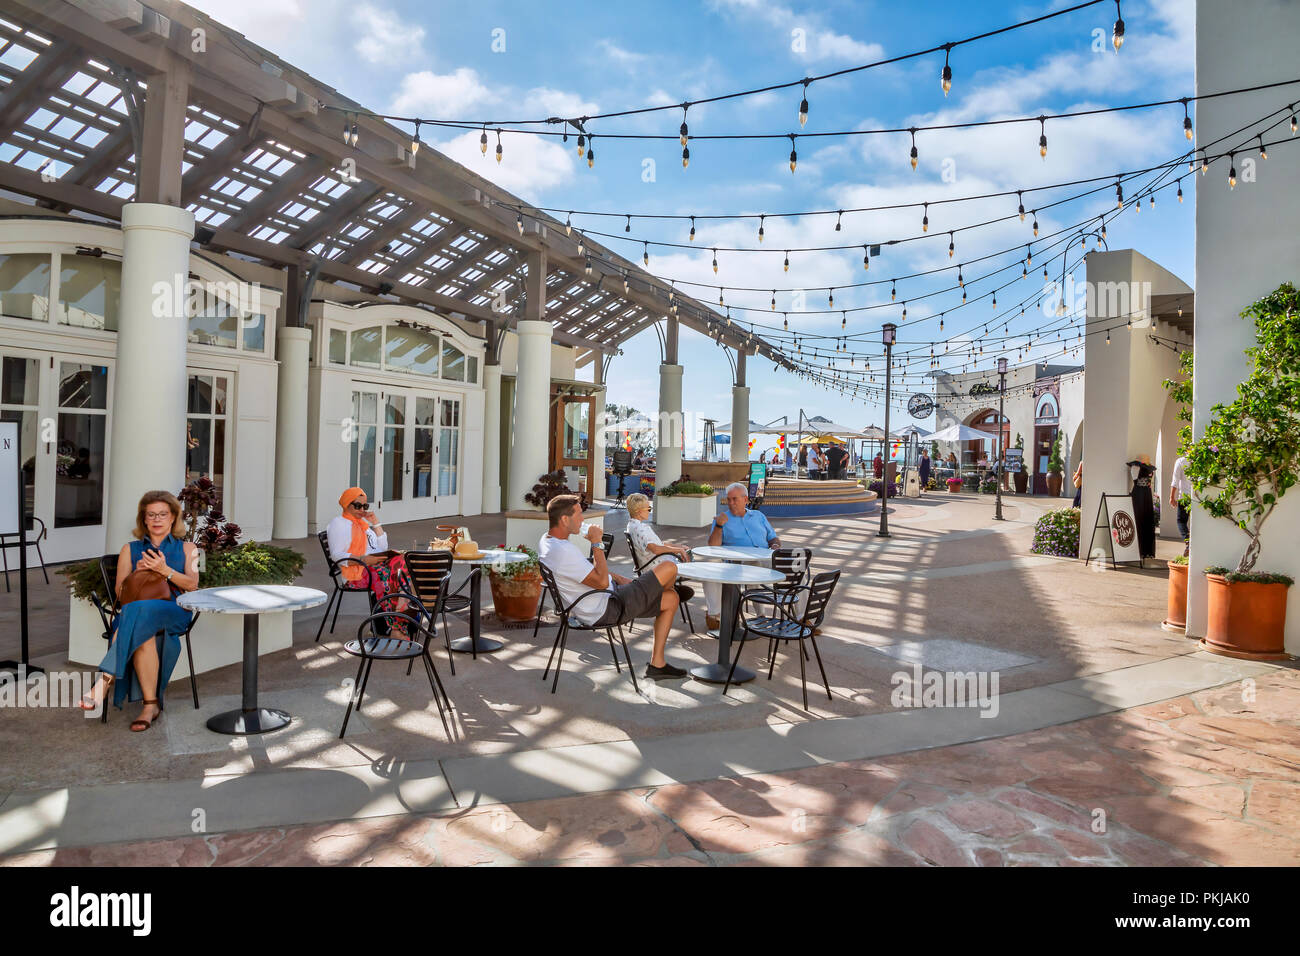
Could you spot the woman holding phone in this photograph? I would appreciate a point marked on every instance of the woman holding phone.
(146, 634)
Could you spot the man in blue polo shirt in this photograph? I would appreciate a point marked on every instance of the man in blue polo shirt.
(735, 527)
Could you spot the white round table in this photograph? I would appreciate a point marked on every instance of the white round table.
(731, 577)
(250, 600)
(476, 644)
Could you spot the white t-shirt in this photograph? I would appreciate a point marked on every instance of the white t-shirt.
(642, 537)
(570, 569)
(339, 535)
(1181, 484)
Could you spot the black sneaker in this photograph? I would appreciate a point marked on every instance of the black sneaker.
(667, 672)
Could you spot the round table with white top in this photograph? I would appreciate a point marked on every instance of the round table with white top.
(250, 600)
(736, 554)
(732, 577)
(476, 644)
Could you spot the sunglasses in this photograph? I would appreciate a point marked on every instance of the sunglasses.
(361, 506)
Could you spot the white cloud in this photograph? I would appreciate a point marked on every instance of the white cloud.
(543, 101)
(529, 165)
(621, 57)
(819, 43)
(439, 96)
(385, 38)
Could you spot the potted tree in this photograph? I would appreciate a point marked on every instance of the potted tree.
(516, 586)
(1021, 477)
(1055, 469)
(1240, 468)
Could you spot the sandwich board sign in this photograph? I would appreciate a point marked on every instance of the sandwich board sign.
(1115, 533)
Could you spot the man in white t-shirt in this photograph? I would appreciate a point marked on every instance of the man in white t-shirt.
(650, 595)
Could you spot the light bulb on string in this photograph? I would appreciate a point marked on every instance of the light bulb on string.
(568, 224)
(1119, 194)
(645, 253)
(415, 140)
(685, 132)
(499, 152)
(482, 141)
(692, 228)
(794, 156)
(945, 77)
(893, 291)
(803, 105)
(839, 218)
(1187, 122)
(1205, 162)
(1021, 208)
(761, 220)
(628, 226)
(1232, 171)
(686, 156)
(1117, 35)
(866, 261)
(925, 218)
(1042, 138)
(715, 261)
(519, 223)
(773, 300)
(1035, 223)
(591, 152)
(1180, 190)
(831, 298)
(787, 260)
(1263, 152)
(951, 246)
(913, 154)
(582, 145)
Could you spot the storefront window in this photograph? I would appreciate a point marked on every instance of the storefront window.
(254, 333)
(453, 363)
(216, 324)
(90, 292)
(19, 403)
(338, 347)
(365, 347)
(25, 287)
(472, 377)
(82, 441)
(411, 350)
(205, 430)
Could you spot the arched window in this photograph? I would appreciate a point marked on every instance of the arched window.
(1047, 410)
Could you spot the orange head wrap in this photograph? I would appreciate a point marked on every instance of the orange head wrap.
(357, 546)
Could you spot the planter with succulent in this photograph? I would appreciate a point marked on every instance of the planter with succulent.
(1246, 461)
(516, 586)
(529, 524)
(1021, 477)
(217, 639)
(686, 504)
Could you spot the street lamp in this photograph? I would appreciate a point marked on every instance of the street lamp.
(887, 337)
(1001, 463)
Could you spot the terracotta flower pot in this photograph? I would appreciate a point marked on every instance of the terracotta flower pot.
(1176, 608)
(1054, 480)
(1246, 619)
(516, 599)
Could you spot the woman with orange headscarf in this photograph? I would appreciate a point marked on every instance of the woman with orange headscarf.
(358, 533)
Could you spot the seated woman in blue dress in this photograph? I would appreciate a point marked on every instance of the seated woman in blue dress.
(146, 634)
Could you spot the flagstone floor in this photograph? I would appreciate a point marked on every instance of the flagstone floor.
(1210, 776)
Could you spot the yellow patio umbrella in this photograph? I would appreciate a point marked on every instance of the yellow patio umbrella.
(821, 440)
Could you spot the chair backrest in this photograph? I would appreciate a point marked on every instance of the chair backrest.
(108, 572)
(607, 539)
(636, 561)
(415, 632)
(429, 571)
(819, 596)
(622, 461)
(404, 603)
(548, 579)
(793, 563)
(324, 539)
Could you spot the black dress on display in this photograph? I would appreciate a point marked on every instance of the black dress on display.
(1143, 511)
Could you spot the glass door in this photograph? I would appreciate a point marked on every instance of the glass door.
(364, 432)
(424, 441)
(447, 450)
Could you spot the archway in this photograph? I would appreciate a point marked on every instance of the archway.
(985, 420)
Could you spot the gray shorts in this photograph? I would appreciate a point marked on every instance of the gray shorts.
(641, 598)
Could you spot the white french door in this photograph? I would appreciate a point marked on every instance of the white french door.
(60, 403)
(405, 452)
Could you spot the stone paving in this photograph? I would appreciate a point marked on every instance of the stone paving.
(1212, 778)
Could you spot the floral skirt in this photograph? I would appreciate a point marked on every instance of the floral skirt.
(383, 579)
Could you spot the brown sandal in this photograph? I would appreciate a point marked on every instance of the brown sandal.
(140, 725)
(88, 701)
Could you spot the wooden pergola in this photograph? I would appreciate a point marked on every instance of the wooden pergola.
(113, 101)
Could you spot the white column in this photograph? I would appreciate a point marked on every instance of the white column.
(147, 442)
(740, 423)
(668, 467)
(596, 481)
(528, 454)
(491, 439)
(293, 350)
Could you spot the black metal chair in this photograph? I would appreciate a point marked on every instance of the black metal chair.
(683, 598)
(378, 647)
(784, 626)
(607, 539)
(341, 584)
(795, 564)
(14, 542)
(428, 587)
(566, 625)
(109, 609)
(622, 468)
(424, 568)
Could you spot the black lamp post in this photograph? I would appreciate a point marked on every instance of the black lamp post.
(887, 336)
(1001, 462)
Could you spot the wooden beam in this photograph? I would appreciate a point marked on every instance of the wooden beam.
(285, 189)
(32, 87)
(162, 140)
(339, 214)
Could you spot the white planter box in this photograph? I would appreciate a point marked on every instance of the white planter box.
(217, 639)
(526, 527)
(685, 511)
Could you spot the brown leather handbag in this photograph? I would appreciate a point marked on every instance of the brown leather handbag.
(144, 586)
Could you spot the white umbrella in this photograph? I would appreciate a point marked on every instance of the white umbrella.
(960, 433)
(914, 430)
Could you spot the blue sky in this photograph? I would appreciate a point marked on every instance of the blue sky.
(437, 59)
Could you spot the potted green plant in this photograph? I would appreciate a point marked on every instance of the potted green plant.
(1055, 468)
(1240, 468)
(1021, 477)
(516, 586)
(530, 524)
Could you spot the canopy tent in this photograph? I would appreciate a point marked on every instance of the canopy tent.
(916, 430)
(817, 425)
(960, 433)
